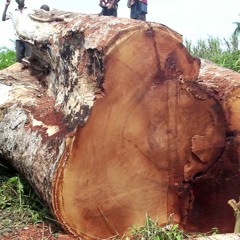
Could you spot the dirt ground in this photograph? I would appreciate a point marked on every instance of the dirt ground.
(39, 231)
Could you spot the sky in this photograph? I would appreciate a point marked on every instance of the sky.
(193, 19)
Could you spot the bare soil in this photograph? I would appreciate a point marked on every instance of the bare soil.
(41, 231)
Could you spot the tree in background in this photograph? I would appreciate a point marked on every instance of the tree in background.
(237, 30)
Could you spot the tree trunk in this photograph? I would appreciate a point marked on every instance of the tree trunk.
(108, 123)
(222, 182)
(225, 85)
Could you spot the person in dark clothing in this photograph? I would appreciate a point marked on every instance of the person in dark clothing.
(45, 7)
(138, 9)
(22, 50)
(109, 7)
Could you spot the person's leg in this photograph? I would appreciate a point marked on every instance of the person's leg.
(20, 50)
(142, 17)
(104, 12)
(28, 51)
(142, 11)
(112, 12)
(133, 13)
(101, 13)
(137, 12)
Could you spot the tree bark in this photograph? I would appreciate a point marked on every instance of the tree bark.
(224, 84)
(109, 123)
(222, 182)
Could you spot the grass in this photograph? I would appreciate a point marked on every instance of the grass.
(19, 204)
(223, 52)
(7, 57)
(152, 231)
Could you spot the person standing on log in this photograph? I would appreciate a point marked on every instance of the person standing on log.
(138, 9)
(22, 50)
(109, 7)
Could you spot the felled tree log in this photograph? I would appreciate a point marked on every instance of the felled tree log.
(222, 182)
(225, 85)
(107, 123)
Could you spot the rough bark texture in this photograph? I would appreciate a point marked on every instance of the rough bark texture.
(225, 85)
(222, 181)
(109, 124)
(31, 129)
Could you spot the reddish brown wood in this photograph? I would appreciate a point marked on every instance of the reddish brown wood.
(221, 183)
(144, 150)
(121, 128)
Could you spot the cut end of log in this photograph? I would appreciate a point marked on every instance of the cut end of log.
(141, 145)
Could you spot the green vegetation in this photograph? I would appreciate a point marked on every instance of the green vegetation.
(19, 204)
(152, 231)
(237, 29)
(223, 52)
(7, 57)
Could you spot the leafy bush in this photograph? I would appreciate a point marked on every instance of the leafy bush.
(7, 57)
